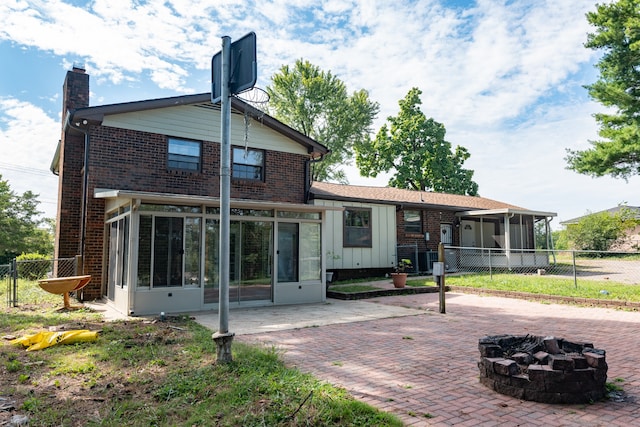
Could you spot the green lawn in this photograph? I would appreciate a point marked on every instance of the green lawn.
(546, 285)
(141, 373)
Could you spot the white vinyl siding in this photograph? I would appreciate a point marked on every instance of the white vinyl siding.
(202, 123)
(381, 254)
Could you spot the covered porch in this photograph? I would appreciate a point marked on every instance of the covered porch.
(503, 238)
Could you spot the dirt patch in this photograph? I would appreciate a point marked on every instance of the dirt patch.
(72, 384)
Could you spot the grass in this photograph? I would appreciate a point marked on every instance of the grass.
(354, 288)
(141, 373)
(546, 286)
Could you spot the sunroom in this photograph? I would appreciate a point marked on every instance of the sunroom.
(164, 251)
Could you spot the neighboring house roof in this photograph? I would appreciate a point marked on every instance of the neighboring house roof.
(411, 198)
(612, 211)
(96, 114)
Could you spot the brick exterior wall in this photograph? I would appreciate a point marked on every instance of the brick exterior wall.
(70, 176)
(137, 161)
(430, 222)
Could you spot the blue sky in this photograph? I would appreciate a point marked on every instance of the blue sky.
(505, 77)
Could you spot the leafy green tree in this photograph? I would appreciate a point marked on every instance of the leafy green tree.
(316, 103)
(599, 231)
(21, 230)
(415, 148)
(559, 238)
(617, 35)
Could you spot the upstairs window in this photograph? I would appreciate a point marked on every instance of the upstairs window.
(248, 164)
(412, 222)
(184, 155)
(357, 228)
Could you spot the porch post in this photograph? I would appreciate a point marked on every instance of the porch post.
(507, 240)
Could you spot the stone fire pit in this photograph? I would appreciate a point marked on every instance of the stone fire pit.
(543, 369)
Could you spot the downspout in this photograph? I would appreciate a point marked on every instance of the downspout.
(85, 183)
(550, 239)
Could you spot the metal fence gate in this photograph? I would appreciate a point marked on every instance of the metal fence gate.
(20, 272)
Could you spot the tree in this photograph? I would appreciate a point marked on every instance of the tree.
(560, 240)
(617, 154)
(415, 148)
(21, 231)
(316, 103)
(599, 231)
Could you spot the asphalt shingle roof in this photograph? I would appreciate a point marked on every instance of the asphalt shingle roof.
(389, 195)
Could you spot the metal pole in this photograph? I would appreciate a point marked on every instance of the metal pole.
(490, 265)
(225, 186)
(223, 338)
(441, 278)
(575, 272)
(14, 278)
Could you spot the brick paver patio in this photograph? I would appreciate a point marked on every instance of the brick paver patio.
(424, 368)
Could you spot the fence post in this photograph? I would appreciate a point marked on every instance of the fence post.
(14, 276)
(575, 273)
(490, 269)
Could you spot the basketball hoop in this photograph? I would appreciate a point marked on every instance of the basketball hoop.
(256, 98)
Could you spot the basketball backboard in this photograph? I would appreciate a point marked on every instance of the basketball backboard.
(243, 71)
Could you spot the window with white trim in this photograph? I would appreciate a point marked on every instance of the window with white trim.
(248, 164)
(184, 155)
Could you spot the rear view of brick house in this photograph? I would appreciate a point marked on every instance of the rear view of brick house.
(138, 199)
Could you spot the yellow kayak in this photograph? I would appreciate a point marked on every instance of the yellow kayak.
(47, 339)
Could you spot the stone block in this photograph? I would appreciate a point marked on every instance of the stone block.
(544, 373)
(600, 376)
(509, 390)
(542, 357)
(488, 363)
(566, 387)
(582, 375)
(560, 362)
(537, 373)
(595, 360)
(579, 361)
(485, 367)
(506, 367)
(574, 347)
(520, 380)
(490, 350)
(522, 358)
(551, 345)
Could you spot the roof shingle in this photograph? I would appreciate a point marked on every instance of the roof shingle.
(389, 195)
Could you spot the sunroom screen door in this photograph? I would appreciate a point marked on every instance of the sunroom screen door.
(250, 261)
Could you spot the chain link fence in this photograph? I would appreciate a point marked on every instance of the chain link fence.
(620, 267)
(22, 272)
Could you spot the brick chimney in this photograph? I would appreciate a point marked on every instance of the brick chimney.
(75, 90)
(75, 94)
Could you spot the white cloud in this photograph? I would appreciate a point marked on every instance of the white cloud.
(28, 138)
(503, 76)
